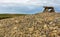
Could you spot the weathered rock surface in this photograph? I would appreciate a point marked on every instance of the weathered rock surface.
(38, 25)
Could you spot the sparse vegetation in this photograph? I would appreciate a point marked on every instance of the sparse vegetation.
(4, 16)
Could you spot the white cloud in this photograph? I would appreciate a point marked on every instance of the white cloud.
(24, 2)
(32, 2)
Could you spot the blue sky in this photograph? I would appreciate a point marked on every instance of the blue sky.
(27, 6)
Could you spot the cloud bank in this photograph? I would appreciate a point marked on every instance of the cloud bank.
(32, 2)
(26, 6)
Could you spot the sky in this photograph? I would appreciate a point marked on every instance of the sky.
(27, 6)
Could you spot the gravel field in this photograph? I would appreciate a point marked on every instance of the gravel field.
(37, 25)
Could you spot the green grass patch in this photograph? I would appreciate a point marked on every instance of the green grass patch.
(4, 16)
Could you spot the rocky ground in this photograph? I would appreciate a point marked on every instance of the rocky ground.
(37, 25)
